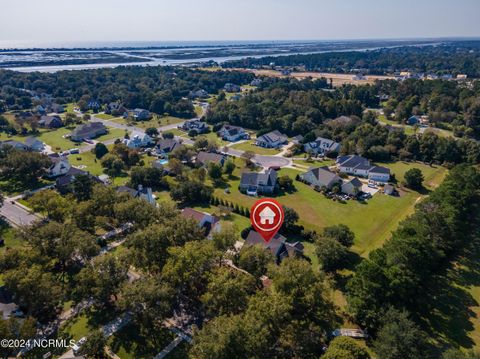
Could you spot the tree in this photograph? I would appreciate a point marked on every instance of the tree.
(200, 143)
(13, 328)
(100, 150)
(214, 171)
(458, 354)
(24, 167)
(414, 178)
(225, 238)
(331, 254)
(345, 348)
(102, 279)
(152, 132)
(255, 260)
(94, 346)
(227, 292)
(51, 203)
(341, 233)
(148, 177)
(168, 135)
(229, 167)
(290, 220)
(82, 187)
(191, 192)
(248, 157)
(399, 337)
(286, 183)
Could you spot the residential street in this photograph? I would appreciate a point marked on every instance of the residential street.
(16, 214)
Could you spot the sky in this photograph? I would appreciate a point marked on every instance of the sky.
(44, 21)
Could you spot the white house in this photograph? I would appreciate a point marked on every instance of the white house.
(379, 174)
(272, 139)
(322, 146)
(360, 166)
(138, 140)
(232, 133)
(59, 167)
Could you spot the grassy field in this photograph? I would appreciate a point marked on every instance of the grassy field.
(154, 122)
(249, 146)
(88, 162)
(372, 221)
(104, 116)
(85, 323)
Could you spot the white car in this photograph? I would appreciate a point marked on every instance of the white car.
(74, 151)
(78, 345)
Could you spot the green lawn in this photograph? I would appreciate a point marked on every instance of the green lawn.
(313, 163)
(249, 146)
(132, 342)
(88, 162)
(154, 122)
(85, 323)
(240, 221)
(372, 221)
(104, 116)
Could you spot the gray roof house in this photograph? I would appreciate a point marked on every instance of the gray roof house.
(278, 245)
(322, 146)
(232, 133)
(321, 177)
(88, 131)
(138, 114)
(196, 125)
(14, 144)
(144, 193)
(204, 158)
(352, 187)
(208, 222)
(255, 183)
(272, 139)
(166, 145)
(229, 87)
(50, 122)
(34, 144)
(360, 166)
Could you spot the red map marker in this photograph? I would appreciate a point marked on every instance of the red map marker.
(267, 217)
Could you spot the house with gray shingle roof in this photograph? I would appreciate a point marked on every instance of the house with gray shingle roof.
(360, 166)
(321, 177)
(88, 131)
(352, 187)
(232, 133)
(255, 183)
(278, 245)
(322, 146)
(272, 139)
(204, 158)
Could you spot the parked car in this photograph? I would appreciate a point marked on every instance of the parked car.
(74, 151)
(78, 345)
(88, 141)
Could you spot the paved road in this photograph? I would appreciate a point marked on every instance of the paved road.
(16, 214)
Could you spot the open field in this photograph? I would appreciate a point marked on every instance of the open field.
(249, 146)
(337, 79)
(154, 122)
(372, 221)
(87, 162)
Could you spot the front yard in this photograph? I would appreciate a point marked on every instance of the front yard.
(249, 146)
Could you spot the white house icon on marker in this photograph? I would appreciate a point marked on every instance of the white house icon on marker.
(267, 216)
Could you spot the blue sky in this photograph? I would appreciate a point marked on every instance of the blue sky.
(163, 20)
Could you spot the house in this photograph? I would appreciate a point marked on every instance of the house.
(138, 140)
(298, 139)
(198, 94)
(379, 174)
(278, 245)
(205, 220)
(138, 114)
(63, 183)
(236, 97)
(462, 77)
(88, 131)
(93, 105)
(360, 166)
(413, 120)
(115, 108)
(41, 110)
(256, 82)
(166, 145)
(8, 307)
(59, 166)
(354, 165)
(14, 144)
(195, 125)
(144, 193)
(272, 139)
(320, 177)
(389, 189)
(204, 158)
(255, 183)
(229, 87)
(50, 122)
(34, 144)
(232, 133)
(322, 146)
(57, 108)
(352, 187)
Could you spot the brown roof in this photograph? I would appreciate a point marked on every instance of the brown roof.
(193, 213)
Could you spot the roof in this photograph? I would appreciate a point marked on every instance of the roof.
(88, 128)
(205, 157)
(193, 214)
(231, 130)
(275, 245)
(353, 161)
(30, 141)
(167, 143)
(126, 189)
(273, 136)
(268, 178)
(380, 169)
(47, 120)
(356, 182)
(68, 177)
(322, 174)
